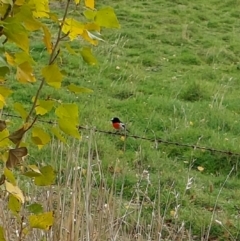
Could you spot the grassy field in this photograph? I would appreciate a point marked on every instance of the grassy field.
(170, 72)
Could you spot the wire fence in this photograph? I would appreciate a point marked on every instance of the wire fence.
(155, 140)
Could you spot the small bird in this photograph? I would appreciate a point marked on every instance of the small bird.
(118, 125)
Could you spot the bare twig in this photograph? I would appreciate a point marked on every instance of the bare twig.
(21, 229)
(59, 37)
(33, 122)
(35, 101)
(56, 55)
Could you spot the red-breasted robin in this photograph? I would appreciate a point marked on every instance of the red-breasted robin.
(117, 124)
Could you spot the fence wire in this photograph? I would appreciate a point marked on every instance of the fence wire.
(155, 140)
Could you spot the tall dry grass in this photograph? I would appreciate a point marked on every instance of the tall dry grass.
(87, 206)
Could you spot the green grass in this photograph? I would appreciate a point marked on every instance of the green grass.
(170, 72)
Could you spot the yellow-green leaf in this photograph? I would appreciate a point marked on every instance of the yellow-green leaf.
(47, 176)
(73, 27)
(76, 89)
(88, 56)
(35, 208)
(2, 236)
(106, 17)
(21, 57)
(18, 107)
(25, 73)
(4, 70)
(9, 176)
(25, 15)
(68, 111)
(16, 33)
(44, 106)
(14, 204)
(52, 75)
(87, 36)
(41, 221)
(32, 24)
(93, 27)
(4, 141)
(57, 133)
(89, 4)
(77, 1)
(2, 101)
(68, 127)
(92, 33)
(10, 59)
(89, 14)
(19, 2)
(54, 17)
(4, 91)
(35, 172)
(31, 174)
(41, 8)
(40, 137)
(47, 39)
(15, 191)
(68, 119)
(4, 156)
(34, 168)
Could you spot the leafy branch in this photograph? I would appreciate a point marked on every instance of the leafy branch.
(52, 58)
(18, 21)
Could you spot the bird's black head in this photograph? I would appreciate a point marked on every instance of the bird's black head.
(115, 120)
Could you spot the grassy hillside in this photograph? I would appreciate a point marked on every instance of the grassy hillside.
(171, 72)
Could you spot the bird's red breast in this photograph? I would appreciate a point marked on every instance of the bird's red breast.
(117, 125)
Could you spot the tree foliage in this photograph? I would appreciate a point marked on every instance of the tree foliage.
(20, 20)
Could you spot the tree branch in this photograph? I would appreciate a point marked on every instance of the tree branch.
(52, 58)
(59, 38)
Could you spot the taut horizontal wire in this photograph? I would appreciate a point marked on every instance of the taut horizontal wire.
(156, 140)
